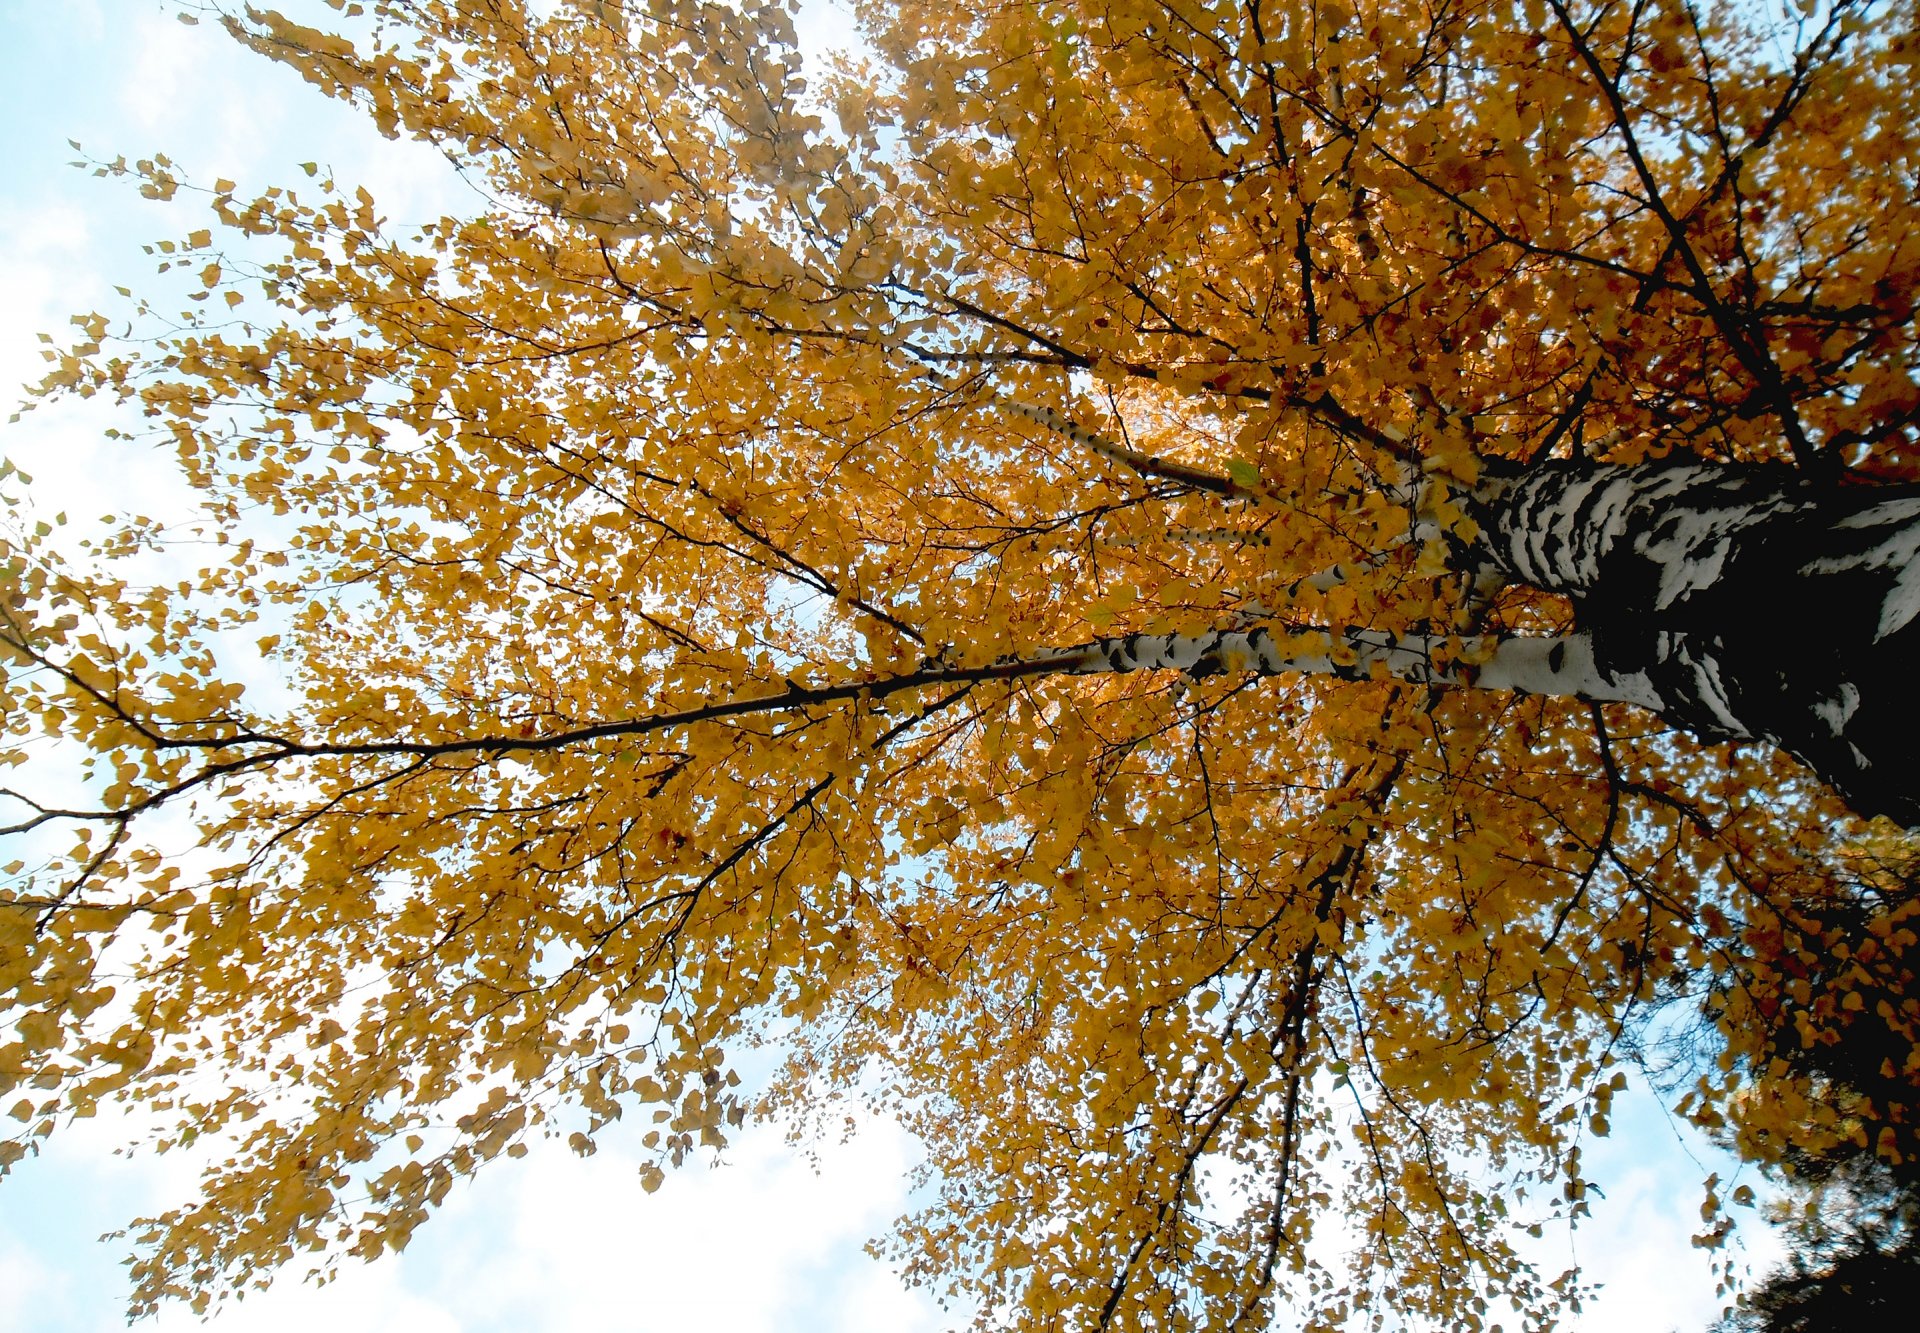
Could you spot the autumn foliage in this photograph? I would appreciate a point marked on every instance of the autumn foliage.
(973, 565)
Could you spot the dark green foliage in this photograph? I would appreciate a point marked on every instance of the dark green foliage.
(1856, 1260)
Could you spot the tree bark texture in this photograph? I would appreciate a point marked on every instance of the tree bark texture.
(1749, 602)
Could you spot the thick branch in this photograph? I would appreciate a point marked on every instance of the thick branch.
(1562, 666)
(1147, 465)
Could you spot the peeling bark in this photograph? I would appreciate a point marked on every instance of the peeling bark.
(1752, 602)
(1560, 665)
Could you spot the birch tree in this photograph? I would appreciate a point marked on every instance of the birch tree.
(1209, 602)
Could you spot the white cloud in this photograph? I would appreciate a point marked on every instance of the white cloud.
(44, 253)
(1638, 1243)
(826, 28)
(762, 1243)
(165, 87)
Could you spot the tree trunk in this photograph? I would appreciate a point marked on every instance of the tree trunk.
(1752, 603)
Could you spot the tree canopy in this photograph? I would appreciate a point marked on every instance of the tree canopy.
(1226, 607)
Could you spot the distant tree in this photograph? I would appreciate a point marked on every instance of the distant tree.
(1855, 1262)
(1204, 600)
(1824, 1014)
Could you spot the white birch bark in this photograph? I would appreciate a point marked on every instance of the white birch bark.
(1736, 601)
(1559, 665)
(1754, 602)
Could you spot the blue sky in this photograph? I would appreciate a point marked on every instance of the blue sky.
(770, 1240)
